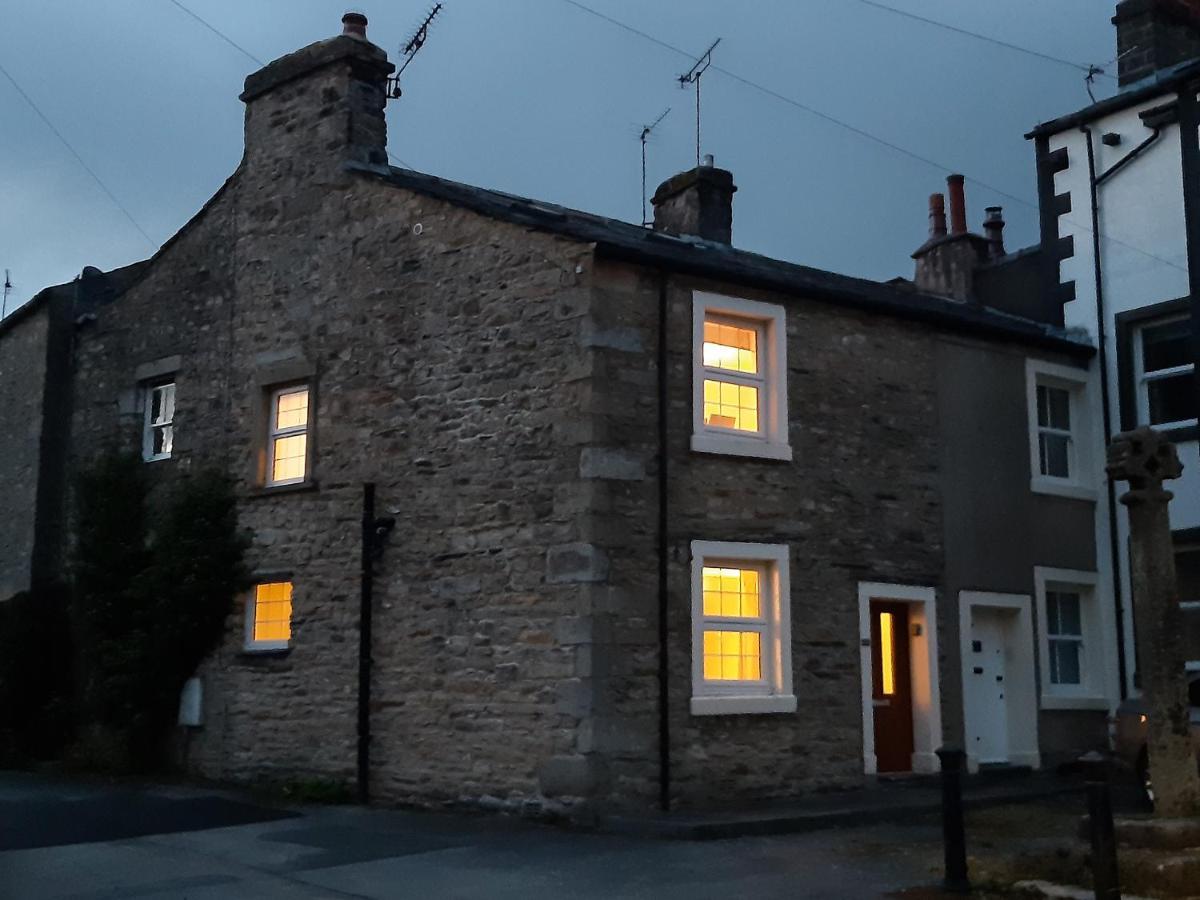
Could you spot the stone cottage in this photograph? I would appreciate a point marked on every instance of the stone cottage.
(671, 523)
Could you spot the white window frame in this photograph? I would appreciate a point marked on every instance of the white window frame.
(769, 321)
(1141, 379)
(773, 692)
(1080, 483)
(1090, 693)
(274, 434)
(148, 426)
(250, 645)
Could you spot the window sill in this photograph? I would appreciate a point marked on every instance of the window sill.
(1040, 484)
(266, 652)
(1066, 701)
(734, 706)
(154, 459)
(730, 445)
(299, 487)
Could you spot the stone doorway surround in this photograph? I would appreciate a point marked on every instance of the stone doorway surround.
(1020, 677)
(923, 659)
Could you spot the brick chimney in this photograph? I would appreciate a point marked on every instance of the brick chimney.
(946, 262)
(698, 202)
(1155, 35)
(312, 110)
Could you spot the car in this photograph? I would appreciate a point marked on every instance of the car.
(1129, 739)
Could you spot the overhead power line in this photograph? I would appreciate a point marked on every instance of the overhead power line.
(222, 35)
(232, 43)
(79, 159)
(860, 132)
(1082, 67)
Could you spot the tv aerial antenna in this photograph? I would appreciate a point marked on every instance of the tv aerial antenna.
(646, 131)
(409, 51)
(692, 76)
(8, 286)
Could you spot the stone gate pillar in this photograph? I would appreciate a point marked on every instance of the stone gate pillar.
(1145, 459)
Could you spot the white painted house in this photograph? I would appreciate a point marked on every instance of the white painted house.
(1119, 189)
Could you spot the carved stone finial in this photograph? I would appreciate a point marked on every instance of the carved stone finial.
(1144, 458)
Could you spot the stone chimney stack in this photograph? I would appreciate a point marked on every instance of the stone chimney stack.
(946, 263)
(1155, 35)
(698, 202)
(312, 110)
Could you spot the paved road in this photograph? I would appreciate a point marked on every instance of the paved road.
(92, 841)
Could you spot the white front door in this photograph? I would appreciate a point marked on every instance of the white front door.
(986, 689)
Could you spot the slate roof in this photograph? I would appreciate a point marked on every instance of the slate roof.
(624, 241)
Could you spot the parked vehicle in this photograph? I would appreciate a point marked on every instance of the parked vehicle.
(1130, 735)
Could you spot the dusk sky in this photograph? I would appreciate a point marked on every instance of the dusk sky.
(540, 98)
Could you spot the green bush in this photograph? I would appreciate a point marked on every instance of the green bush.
(36, 675)
(154, 584)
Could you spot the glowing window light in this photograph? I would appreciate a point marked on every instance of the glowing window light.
(729, 405)
(732, 656)
(289, 436)
(731, 592)
(730, 347)
(887, 652)
(273, 611)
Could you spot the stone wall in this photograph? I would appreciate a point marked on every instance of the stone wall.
(858, 503)
(23, 355)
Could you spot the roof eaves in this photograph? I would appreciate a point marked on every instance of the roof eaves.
(1118, 102)
(631, 243)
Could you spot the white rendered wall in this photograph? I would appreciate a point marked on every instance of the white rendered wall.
(1143, 252)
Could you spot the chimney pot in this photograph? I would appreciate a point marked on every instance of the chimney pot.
(937, 216)
(707, 161)
(354, 24)
(958, 204)
(993, 229)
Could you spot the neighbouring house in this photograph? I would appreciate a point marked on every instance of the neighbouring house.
(1119, 191)
(673, 522)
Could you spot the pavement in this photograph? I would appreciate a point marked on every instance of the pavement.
(91, 840)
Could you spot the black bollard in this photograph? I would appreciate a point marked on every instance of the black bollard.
(953, 829)
(1100, 824)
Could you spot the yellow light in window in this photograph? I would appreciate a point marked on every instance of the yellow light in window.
(728, 405)
(288, 462)
(273, 611)
(730, 592)
(732, 656)
(292, 409)
(887, 651)
(730, 347)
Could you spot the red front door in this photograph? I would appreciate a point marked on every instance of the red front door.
(891, 686)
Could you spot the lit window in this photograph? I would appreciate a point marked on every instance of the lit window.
(1064, 632)
(288, 446)
(740, 376)
(1059, 437)
(1163, 366)
(1072, 626)
(269, 616)
(158, 435)
(740, 633)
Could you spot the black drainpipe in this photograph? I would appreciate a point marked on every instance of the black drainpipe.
(364, 643)
(1189, 143)
(664, 709)
(1105, 396)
